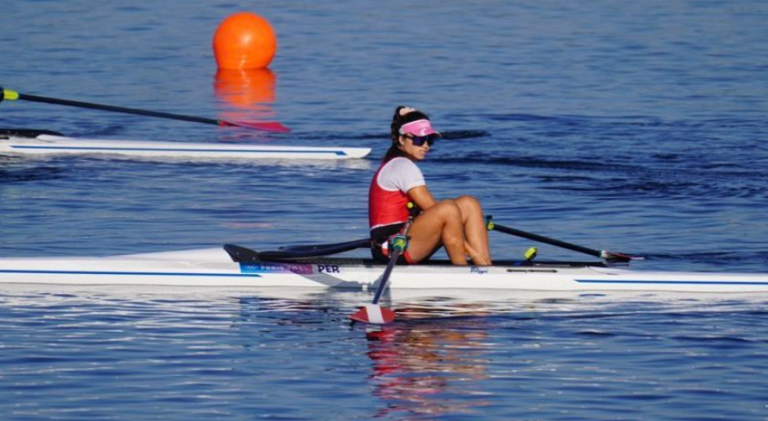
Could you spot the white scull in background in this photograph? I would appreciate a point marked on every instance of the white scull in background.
(47, 144)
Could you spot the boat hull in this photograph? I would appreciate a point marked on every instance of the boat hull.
(60, 145)
(214, 268)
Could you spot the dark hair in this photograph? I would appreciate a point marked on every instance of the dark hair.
(397, 122)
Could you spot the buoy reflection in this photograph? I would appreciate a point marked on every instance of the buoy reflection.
(245, 95)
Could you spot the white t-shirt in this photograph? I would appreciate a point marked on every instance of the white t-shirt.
(400, 174)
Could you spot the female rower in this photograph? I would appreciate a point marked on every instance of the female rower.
(456, 224)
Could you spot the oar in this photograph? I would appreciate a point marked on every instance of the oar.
(287, 254)
(267, 126)
(319, 250)
(603, 254)
(374, 313)
(312, 251)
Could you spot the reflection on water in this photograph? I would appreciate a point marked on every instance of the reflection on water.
(429, 368)
(475, 359)
(252, 90)
(245, 95)
(250, 351)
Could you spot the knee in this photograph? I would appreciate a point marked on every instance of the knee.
(469, 203)
(449, 210)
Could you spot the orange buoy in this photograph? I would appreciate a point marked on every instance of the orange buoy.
(244, 41)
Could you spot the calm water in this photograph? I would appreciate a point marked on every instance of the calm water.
(633, 127)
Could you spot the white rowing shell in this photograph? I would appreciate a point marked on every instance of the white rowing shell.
(50, 144)
(214, 268)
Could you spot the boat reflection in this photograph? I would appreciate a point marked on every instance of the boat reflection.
(429, 367)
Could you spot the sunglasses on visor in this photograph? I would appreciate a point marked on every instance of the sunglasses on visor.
(421, 140)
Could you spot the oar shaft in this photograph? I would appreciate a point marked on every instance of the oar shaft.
(385, 276)
(547, 240)
(311, 251)
(268, 126)
(102, 107)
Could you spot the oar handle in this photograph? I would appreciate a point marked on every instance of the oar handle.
(8, 94)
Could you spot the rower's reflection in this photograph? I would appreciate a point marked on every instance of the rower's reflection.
(428, 368)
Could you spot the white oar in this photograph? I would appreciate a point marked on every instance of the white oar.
(374, 313)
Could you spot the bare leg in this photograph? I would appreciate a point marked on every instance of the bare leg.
(440, 224)
(475, 230)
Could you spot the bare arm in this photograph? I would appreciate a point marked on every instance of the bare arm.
(422, 197)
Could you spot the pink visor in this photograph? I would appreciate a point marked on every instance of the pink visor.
(418, 128)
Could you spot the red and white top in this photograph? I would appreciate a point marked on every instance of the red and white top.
(388, 197)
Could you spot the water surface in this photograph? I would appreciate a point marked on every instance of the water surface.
(631, 127)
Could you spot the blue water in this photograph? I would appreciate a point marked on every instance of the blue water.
(637, 127)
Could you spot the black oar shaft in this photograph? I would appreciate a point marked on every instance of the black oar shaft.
(102, 107)
(313, 251)
(385, 277)
(547, 240)
(268, 126)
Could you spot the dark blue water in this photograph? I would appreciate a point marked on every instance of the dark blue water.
(631, 127)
